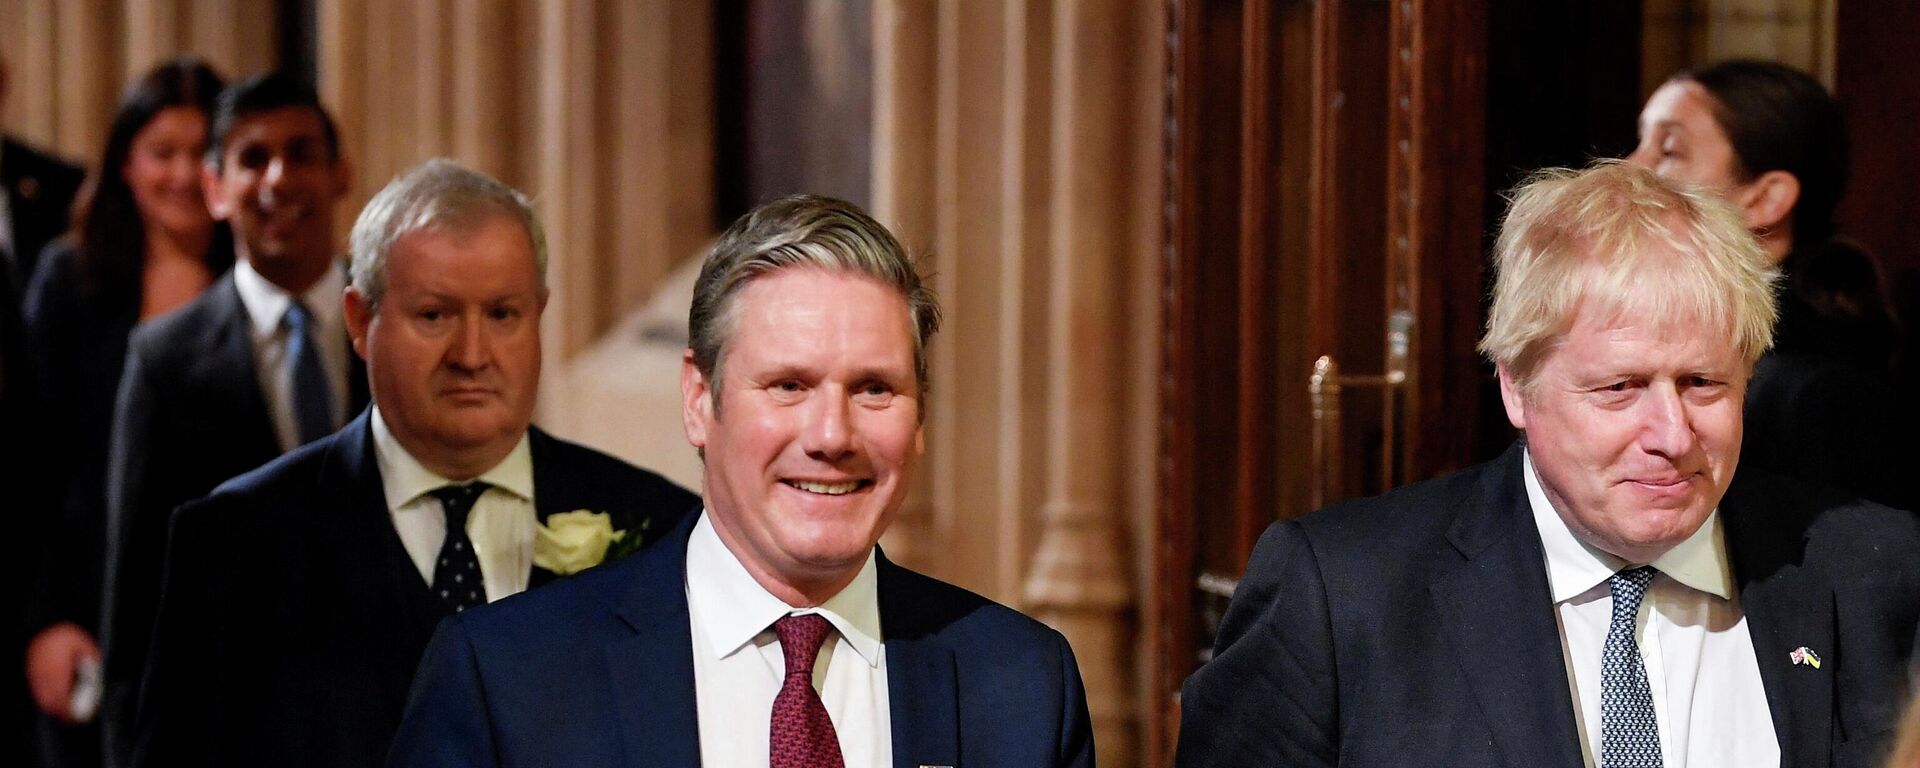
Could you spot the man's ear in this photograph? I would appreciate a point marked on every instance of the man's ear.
(210, 189)
(359, 318)
(696, 401)
(1768, 200)
(1512, 398)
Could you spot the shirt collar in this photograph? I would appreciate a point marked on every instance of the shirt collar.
(266, 303)
(404, 479)
(1573, 566)
(738, 609)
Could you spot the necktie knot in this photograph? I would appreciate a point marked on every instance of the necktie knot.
(800, 640)
(458, 500)
(1629, 587)
(297, 317)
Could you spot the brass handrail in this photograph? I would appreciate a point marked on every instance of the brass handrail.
(1324, 387)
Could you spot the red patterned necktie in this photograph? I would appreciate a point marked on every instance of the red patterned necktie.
(802, 735)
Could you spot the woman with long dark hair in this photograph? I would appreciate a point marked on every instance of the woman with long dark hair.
(142, 244)
(1771, 139)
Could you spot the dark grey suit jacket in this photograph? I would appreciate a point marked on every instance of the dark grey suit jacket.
(1417, 628)
(189, 416)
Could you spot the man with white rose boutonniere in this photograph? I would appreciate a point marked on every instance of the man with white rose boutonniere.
(768, 630)
(299, 597)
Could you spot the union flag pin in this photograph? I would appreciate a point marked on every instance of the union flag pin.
(1805, 655)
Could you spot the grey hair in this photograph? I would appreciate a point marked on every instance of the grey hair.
(438, 194)
(802, 231)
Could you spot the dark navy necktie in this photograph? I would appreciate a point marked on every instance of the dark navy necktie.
(1629, 731)
(312, 398)
(456, 574)
(802, 733)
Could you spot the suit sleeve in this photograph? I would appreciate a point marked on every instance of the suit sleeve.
(124, 621)
(42, 472)
(1076, 731)
(447, 723)
(1269, 696)
(176, 709)
(66, 583)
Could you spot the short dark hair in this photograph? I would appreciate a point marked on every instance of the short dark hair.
(1781, 119)
(261, 93)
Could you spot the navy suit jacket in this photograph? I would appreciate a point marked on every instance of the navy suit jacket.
(1417, 628)
(189, 416)
(293, 617)
(598, 671)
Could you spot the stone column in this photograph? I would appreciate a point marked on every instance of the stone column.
(1079, 582)
(906, 200)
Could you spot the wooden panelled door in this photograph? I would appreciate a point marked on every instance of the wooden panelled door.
(1323, 265)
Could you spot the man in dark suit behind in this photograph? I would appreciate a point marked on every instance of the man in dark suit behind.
(254, 367)
(36, 191)
(768, 630)
(298, 597)
(39, 193)
(1607, 593)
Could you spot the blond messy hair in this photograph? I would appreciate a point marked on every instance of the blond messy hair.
(1617, 240)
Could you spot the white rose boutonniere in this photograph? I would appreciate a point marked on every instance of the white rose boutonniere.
(571, 542)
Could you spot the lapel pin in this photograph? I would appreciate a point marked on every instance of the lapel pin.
(1805, 655)
(29, 187)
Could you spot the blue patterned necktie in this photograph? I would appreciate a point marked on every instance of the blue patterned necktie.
(312, 398)
(456, 573)
(1629, 732)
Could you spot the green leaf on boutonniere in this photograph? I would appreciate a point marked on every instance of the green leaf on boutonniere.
(634, 540)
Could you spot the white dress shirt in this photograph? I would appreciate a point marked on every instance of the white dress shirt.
(501, 523)
(1707, 695)
(738, 667)
(266, 305)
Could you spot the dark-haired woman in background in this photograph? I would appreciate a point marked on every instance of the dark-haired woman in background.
(142, 244)
(1821, 405)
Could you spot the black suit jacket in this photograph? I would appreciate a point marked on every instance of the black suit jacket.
(79, 345)
(598, 671)
(40, 190)
(1830, 420)
(1417, 628)
(293, 618)
(189, 416)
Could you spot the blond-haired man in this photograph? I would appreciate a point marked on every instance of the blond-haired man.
(1608, 592)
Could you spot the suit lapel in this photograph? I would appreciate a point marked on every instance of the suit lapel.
(1498, 614)
(388, 591)
(555, 490)
(230, 371)
(651, 670)
(1787, 607)
(922, 681)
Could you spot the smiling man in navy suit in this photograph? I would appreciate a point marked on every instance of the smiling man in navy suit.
(769, 630)
(299, 597)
